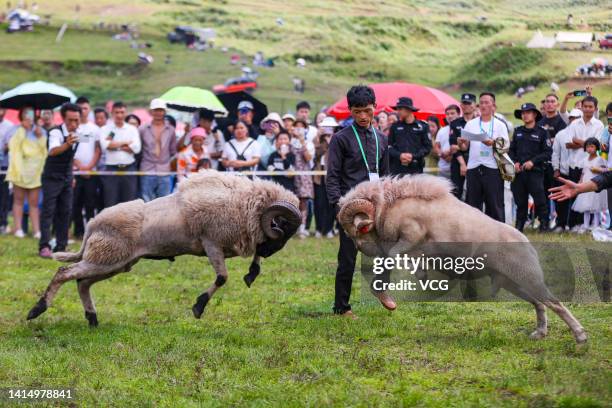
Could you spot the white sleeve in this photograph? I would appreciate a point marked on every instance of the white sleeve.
(565, 117)
(55, 139)
(103, 136)
(556, 153)
(136, 144)
(227, 152)
(255, 149)
(503, 130)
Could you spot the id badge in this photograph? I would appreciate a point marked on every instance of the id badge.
(484, 153)
(373, 176)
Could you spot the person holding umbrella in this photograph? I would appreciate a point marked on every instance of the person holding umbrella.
(27, 154)
(530, 150)
(62, 143)
(409, 141)
(245, 114)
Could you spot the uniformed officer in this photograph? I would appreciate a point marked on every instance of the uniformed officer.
(530, 149)
(460, 158)
(409, 141)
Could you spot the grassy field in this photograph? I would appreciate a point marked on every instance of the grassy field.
(458, 46)
(278, 344)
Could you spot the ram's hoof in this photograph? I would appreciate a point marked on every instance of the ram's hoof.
(39, 308)
(537, 335)
(92, 318)
(254, 271)
(248, 279)
(200, 304)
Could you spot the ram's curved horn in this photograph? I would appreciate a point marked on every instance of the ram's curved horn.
(276, 228)
(352, 209)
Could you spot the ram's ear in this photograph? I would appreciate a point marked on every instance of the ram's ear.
(362, 224)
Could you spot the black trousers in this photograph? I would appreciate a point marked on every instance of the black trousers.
(485, 186)
(56, 212)
(119, 189)
(324, 213)
(85, 198)
(347, 257)
(562, 207)
(575, 218)
(529, 183)
(5, 200)
(457, 179)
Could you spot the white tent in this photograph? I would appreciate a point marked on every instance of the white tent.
(539, 41)
(573, 37)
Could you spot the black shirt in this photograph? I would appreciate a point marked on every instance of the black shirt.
(278, 164)
(408, 138)
(345, 166)
(455, 132)
(530, 144)
(554, 125)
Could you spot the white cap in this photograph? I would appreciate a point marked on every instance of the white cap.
(329, 121)
(575, 113)
(272, 117)
(157, 104)
(288, 116)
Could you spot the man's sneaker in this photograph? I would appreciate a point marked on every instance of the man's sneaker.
(45, 253)
(349, 315)
(330, 235)
(37, 235)
(318, 235)
(19, 234)
(575, 228)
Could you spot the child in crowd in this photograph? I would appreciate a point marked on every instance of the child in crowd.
(591, 204)
(282, 159)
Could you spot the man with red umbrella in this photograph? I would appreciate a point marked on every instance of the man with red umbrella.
(409, 141)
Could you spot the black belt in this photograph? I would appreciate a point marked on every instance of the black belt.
(120, 166)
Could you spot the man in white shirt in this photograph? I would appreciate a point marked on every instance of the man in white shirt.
(484, 182)
(442, 145)
(6, 131)
(562, 158)
(85, 196)
(121, 142)
(57, 181)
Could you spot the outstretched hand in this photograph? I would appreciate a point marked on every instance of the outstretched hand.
(567, 191)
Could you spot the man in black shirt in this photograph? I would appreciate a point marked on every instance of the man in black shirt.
(530, 149)
(553, 123)
(460, 158)
(356, 154)
(409, 141)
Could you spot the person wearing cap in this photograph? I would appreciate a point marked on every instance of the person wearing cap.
(530, 149)
(485, 184)
(288, 122)
(158, 149)
(356, 154)
(194, 153)
(562, 159)
(246, 111)
(271, 126)
(409, 141)
(458, 166)
(121, 142)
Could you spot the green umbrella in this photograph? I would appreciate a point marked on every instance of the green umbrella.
(38, 95)
(190, 99)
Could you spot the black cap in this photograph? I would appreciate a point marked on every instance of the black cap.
(405, 102)
(468, 98)
(528, 107)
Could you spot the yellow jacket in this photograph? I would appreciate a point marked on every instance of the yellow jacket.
(26, 160)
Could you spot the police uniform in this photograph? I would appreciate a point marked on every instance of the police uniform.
(530, 144)
(553, 125)
(408, 138)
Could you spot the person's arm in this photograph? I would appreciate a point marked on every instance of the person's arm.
(556, 154)
(384, 164)
(335, 161)
(181, 168)
(563, 107)
(56, 147)
(135, 145)
(569, 189)
(393, 151)
(172, 146)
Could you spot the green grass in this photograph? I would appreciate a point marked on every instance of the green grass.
(277, 344)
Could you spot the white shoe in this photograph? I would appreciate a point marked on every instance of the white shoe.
(19, 234)
(575, 228)
(318, 235)
(330, 235)
(37, 235)
(582, 230)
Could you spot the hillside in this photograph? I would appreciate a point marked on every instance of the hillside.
(454, 45)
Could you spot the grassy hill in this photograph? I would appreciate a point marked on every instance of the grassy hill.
(454, 45)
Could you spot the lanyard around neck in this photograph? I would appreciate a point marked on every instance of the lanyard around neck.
(365, 160)
(490, 133)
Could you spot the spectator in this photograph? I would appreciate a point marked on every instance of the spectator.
(271, 126)
(303, 150)
(562, 160)
(383, 123)
(431, 160)
(577, 105)
(193, 154)
(85, 195)
(323, 211)
(57, 181)
(553, 123)
(319, 118)
(46, 117)
(484, 182)
(302, 111)
(591, 203)
(214, 141)
(393, 118)
(606, 142)
(282, 159)
(408, 140)
(133, 120)
(100, 117)
(158, 149)
(288, 122)
(460, 158)
(6, 131)
(27, 153)
(441, 146)
(580, 130)
(530, 150)
(121, 142)
(241, 153)
(245, 115)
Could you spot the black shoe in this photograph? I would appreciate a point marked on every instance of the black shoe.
(520, 226)
(544, 228)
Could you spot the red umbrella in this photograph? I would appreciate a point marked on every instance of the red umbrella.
(429, 101)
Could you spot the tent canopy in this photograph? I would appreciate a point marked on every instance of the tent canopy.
(539, 41)
(571, 37)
